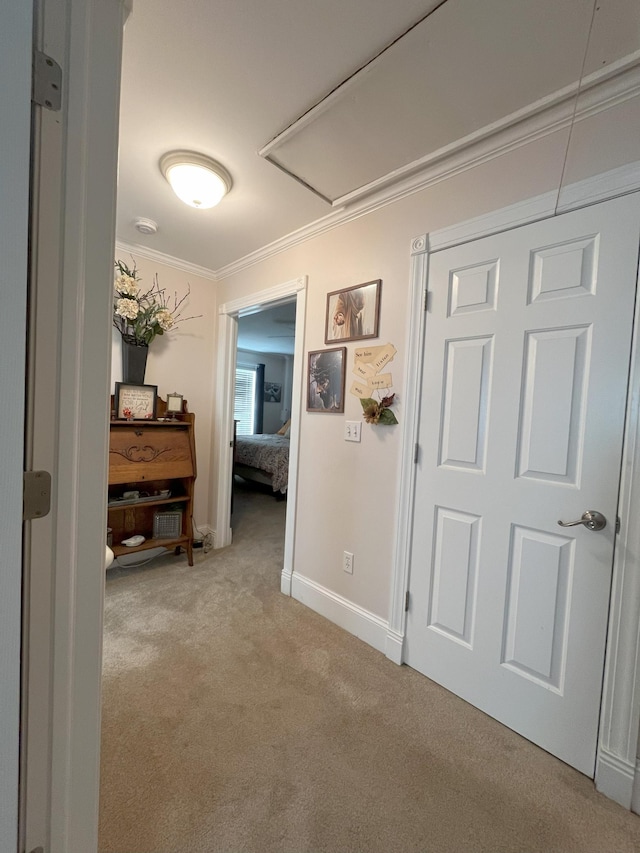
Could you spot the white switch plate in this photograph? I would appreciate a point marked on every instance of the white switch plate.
(352, 430)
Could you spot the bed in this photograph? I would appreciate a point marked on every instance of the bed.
(263, 459)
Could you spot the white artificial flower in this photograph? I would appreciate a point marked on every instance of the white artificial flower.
(127, 308)
(164, 318)
(126, 285)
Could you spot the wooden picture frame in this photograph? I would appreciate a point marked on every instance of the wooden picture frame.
(135, 402)
(326, 380)
(353, 313)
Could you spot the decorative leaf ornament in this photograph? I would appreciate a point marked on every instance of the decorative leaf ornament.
(378, 412)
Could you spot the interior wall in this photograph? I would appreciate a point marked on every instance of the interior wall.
(348, 492)
(183, 361)
(274, 371)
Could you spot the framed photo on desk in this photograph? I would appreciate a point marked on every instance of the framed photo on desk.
(135, 402)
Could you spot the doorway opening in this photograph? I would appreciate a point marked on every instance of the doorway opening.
(262, 399)
(282, 308)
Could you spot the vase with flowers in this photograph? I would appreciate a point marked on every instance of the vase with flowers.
(139, 315)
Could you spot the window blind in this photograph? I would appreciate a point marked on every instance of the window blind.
(244, 401)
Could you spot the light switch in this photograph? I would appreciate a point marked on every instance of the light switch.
(352, 430)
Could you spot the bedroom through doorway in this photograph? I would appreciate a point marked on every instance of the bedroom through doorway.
(262, 400)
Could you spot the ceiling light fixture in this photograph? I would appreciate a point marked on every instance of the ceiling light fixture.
(196, 179)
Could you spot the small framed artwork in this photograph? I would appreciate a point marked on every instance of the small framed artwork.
(135, 402)
(272, 392)
(174, 402)
(325, 383)
(353, 313)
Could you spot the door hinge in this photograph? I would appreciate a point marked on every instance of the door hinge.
(47, 82)
(406, 601)
(426, 300)
(36, 494)
(416, 453)
(617, 524)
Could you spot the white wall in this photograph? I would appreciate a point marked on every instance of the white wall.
(348, 493)
(274, 371)
(182, 360)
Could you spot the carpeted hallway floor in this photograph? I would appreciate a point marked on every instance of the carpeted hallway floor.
(236, 720)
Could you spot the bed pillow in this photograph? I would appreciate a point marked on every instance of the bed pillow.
(284, 429)
(285, 434)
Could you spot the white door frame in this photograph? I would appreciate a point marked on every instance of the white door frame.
(15, 70)
(73, 240)
(616, 763)
(226, 363)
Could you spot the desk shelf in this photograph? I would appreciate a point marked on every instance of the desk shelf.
(151, 456)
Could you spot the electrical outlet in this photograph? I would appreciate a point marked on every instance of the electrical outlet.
(352, 430)
(347, 562)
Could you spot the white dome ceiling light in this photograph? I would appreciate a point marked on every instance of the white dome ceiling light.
(196, 179)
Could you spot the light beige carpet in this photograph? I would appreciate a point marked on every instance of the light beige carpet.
(235, 719)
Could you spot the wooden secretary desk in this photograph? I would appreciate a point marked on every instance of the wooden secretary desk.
(156, 459)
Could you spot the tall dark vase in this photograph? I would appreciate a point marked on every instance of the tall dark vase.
(134, 362)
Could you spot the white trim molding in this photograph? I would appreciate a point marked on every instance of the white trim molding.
(616, 772)
(404, 515)
(162, 258)
(342, 612)
(605, 88)
(226, 361)
(601, 91)
(620, 709)
(635, 799)
(615, 182)
(223, 430)
(615, 777)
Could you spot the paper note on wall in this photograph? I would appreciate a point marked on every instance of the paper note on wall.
(377, 357)
(360, 390)
(363, 370)
(385, 380)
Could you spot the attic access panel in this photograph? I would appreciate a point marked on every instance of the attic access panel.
(464, 71)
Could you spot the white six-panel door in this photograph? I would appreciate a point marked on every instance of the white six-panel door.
(525, 368)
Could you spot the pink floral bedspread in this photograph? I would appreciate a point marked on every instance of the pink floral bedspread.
(269, 453)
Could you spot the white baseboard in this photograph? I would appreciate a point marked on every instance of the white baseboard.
(635, 795)
(615, 778)
(393, 647)
(220, 540)
(285, 582)
(356, 620)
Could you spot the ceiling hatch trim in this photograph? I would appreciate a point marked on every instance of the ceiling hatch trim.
(619, 85)
(559, 106)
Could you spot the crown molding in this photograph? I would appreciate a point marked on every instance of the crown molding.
(170, 261)
(614, 182)
(601, 91)
(597, 92)
(255, 301)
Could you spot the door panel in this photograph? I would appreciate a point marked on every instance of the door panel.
(525, 368)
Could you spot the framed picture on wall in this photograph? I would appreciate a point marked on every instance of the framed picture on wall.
(272, 392)
(353, 313)
(325, 382)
